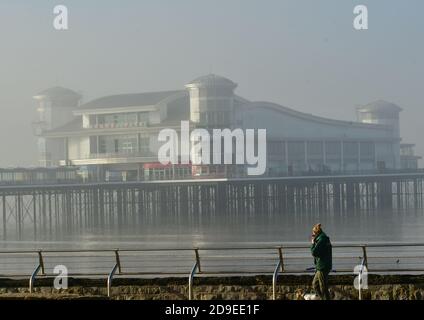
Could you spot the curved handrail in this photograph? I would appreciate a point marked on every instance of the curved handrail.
(32, 278)
(274, 280)
(109, 279)
(190, 281)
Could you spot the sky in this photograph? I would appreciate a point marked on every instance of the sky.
(303, 54)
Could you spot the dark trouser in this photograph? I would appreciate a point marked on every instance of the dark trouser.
(320, 284)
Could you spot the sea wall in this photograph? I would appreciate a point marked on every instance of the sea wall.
(228, 288)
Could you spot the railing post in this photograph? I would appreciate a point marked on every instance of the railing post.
(193, 271)
(118, 261)
(41, 262)
(196, 252)
(280, 254)
(364, 253)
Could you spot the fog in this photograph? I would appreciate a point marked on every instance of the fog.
(302, 54)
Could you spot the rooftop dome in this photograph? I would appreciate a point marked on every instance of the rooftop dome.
(380, 105)
(57, 92)
(211, 80)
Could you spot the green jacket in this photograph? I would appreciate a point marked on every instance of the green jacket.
(322, 252)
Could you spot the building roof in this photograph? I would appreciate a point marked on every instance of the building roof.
(71, 126)
(57, 92)
(129, 100)
(74, 127)
(380, 105)
(211, 80)
(311, 117)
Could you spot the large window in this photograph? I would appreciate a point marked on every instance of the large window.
(123, 144)
(315, 150)
(350, 149)
(333, 149)
(366, 117)
(367, 150)
(296, 150)
(275, 150)
(102, 145)
(143, 119)
(216, 118)
(144, 143)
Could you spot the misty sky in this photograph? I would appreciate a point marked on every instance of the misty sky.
(301, 54)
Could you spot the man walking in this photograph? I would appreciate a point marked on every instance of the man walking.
(322, 252)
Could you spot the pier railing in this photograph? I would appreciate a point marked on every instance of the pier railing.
(28, 176)
(406, 258)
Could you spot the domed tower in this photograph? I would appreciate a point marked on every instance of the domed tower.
(211, 107)
(211, 101)
(54, 109)
(380, 112)
(384, 113)
(55, 106)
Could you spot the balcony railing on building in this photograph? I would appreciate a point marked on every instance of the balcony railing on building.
(115, 125)
(123, 154)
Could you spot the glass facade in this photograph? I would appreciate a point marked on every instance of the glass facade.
(320, 156)
(118, 144)
(333, 149)
(350, 150)
(315, 150)
(167, 173)
(367, 150)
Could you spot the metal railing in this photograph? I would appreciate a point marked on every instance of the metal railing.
(148, 157)
(280, 265)
(400, 258)
(117, 266)
(36, 271)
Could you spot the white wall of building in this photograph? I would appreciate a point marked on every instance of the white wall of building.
(299, 129)
(282, 125)
(78, 148)
(155, 117)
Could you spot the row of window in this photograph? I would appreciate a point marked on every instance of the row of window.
(218, 118)
(119, 120)
(167, 173)
(123, 144)
(37, 176)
